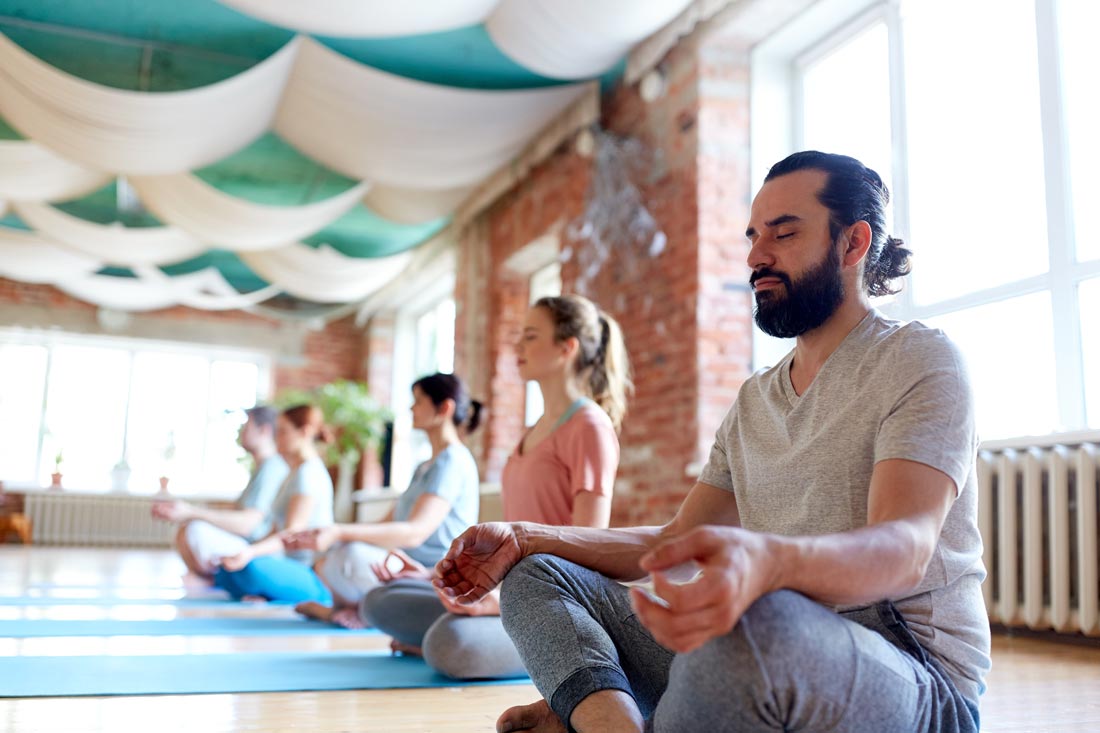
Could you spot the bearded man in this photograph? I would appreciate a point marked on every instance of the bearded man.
(832, 536)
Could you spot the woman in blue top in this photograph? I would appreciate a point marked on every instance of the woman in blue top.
(440, 503)
(304, 500)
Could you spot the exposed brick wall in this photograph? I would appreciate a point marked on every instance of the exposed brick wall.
(492, 299)
(377, 357)
(685, 313)
(334, 352)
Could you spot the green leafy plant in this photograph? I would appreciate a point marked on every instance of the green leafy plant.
(58, 460)
(358, 420)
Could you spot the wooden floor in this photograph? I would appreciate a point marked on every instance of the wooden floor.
(1035, 686)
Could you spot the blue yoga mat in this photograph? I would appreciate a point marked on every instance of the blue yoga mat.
(218, 673)
(188, 601)
(220, 626)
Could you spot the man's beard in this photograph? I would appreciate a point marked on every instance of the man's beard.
(808, 303)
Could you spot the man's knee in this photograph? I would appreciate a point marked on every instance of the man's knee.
(779, 639)
(530, 574)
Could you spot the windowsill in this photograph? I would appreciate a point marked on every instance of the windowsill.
(10, 488)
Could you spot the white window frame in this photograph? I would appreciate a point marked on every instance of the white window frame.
(406, 449)
(776, 132)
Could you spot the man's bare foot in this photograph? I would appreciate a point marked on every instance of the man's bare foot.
(348, 618)
(407, 649)
(315, 611)
(536, 717)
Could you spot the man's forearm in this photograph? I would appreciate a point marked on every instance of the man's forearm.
(613, 552)
(865, 565)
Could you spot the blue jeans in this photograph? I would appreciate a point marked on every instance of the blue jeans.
(790, 664)
(276, 579)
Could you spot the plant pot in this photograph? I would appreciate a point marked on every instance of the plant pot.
(120, 477)
(164, 484)
(56, 479)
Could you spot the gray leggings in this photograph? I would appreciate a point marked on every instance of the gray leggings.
(462, 647)
(790, 664)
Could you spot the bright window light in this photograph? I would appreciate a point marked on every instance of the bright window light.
(975, 157)
(1009, 348)
(1080, 61)
(846, 101)
(22, 382)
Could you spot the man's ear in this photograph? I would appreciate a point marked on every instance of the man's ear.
(857, 243)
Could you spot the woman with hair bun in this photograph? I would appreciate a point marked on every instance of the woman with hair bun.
(440, 503)
(305, 500)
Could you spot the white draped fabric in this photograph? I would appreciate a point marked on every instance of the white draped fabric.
(232, 223)
(367, 18)
(323, 275)
(30, 172)
(576, 39)
(419, 149)
(29, 257)
(139, 132)
(204, 289)
(112, 244)
(371, 125)
(414, 206)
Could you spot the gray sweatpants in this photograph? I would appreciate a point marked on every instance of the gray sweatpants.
(790, 664)
(462, 647)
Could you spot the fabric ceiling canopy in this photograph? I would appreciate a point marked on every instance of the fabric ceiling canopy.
(375, 156)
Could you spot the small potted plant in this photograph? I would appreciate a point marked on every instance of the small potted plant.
(55, 477)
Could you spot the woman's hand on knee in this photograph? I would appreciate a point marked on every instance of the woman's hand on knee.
(399, 565)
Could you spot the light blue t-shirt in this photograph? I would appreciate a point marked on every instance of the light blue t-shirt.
(310, 479)
(452, 476)
(261, 491)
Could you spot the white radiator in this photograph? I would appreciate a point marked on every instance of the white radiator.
(1037, 514)
(111, 520)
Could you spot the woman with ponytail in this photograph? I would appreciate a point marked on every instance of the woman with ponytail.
(561, 473)
(305, 500)
(440, 503)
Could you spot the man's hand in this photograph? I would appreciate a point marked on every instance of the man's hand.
(318, 539)
(738, 567)
(233, 563)
(477, 561)
(408, 568)
(173, 511)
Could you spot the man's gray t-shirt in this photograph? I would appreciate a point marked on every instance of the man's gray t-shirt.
(801, 465)
(261, 491)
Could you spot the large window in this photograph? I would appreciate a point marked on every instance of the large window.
(980, 115)
(160, 409)
(424, 344)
